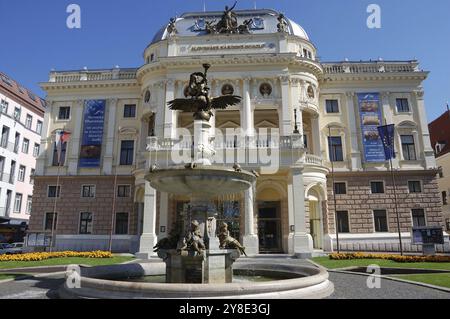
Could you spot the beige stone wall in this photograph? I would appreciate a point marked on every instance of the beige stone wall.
(71, 204)
(360, 202)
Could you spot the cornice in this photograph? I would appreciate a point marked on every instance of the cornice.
(48, 86)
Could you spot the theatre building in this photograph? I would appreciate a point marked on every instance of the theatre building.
(317, 114)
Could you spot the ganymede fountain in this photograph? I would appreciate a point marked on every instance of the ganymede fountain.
(200, 257)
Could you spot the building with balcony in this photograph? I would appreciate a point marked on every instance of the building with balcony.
(21, 123)
(298, 116)
(440, 140)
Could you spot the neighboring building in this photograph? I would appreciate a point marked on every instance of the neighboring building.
(21, 123)
(284, 87)
(440, 140)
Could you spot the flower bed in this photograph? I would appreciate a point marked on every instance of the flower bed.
(64, 254)
(397, 258)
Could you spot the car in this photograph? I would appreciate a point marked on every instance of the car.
(11, 249)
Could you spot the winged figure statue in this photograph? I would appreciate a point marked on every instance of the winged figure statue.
(198, 100)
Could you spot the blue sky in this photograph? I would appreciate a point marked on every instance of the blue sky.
(35, 38)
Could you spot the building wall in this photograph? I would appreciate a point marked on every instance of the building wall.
(444, 185)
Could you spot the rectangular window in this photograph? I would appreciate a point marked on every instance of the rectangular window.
(29, 204)
(36, 150)
(444, 198)
(25, 145)
(127, 153)
(340, 188)
(343, 222)
(85, 223)
(61, 160)
(5, 137)
(448, 224)
(377, 187)
(121, 223)
(49, 219)
(124, 191)
(29, 121)
(415, 187)
(18, 203)
(64, 113)
(332, 106)
(12, 172)
(88, 191)
(4, 107)
(418, 216)
(52, 193)
(402, 106)
(335, 149)
(17, 143)
(33, 172)
(129, 111)
(409, 148)
(380, 220)
(39, 127)
(17, 113)
(21, 176)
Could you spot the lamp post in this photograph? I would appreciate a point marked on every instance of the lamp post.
(333, 189)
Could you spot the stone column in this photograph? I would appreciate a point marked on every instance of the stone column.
(250, 239)
(302, 242)
(247, 116)
(430, 160)
(354, 145)
(75, 141)
(315, 136)
(148, 238)
(111, 132)
(160, 113)
(163, 215)
(286, 111)
(169, 117)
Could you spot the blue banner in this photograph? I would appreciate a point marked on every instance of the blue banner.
(371, 119)
(92, 139)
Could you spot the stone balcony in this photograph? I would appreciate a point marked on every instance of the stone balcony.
(92, 75)
(348, 67)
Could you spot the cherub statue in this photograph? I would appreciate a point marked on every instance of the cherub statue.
(170, 242)
(228, 242)
(194, 240)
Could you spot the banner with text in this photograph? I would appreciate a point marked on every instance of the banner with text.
(371, 119)
(93, 123)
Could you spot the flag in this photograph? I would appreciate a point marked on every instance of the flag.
(62, 137)
(387, 135)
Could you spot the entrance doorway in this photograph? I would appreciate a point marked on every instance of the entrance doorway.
(269, 227)
(315, 215)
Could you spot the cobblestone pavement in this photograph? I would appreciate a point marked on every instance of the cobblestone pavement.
(347, 286)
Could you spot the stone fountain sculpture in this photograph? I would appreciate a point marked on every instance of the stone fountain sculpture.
(199, 255)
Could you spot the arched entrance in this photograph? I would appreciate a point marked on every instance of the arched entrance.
(316, 223)
(269, 211)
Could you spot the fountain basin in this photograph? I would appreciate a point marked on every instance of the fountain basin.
(295, 282)
(202, 181)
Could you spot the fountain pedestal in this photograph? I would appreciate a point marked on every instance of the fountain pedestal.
(213, 267)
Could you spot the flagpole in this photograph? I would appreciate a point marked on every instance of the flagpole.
(113, 213)
(55, 203)
(334, 192)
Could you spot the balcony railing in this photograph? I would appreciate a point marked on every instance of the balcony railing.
(6, 178)
(8, 146)
(314, 160)
(97, 75)
(370, 67)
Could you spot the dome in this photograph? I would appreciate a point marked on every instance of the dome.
(265, 22)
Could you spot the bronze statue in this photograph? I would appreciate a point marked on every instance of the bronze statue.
(282, 24)
(228, 23)
(198, 100)
(193, 242)
(171, 28)
(170, 242)
(245, 27)
(228, 242)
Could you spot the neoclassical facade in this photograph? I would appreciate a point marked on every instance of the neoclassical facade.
(298, 116)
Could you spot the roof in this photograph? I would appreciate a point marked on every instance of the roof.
(440, 134)
(188, 23)
(21, 94)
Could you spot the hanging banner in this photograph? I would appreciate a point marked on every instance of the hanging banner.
(93, 123)
(371, 119)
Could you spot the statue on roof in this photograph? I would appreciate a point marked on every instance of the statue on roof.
(228, 23)
(172, 28)
(282, 24)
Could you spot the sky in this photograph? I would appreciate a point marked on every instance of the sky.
(35, 38)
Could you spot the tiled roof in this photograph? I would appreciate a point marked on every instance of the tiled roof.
(440, 133)
(21, 93)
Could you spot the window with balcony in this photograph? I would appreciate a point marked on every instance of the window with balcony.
(21, 175)
(25, 145)
(18, 203)
(418, 216)
(121, 223)
(64, 113)
(336, 149)
(332, 106)
(409, 148)
(129, 111)
(127, 153)
(402, 105)
(377, 187)
(29, 121)
(380, 220)
(343, 222)
(86, 223)
(5, 137)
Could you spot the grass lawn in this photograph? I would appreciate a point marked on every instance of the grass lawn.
(65, 261)
(441, 280)
(337, 264)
